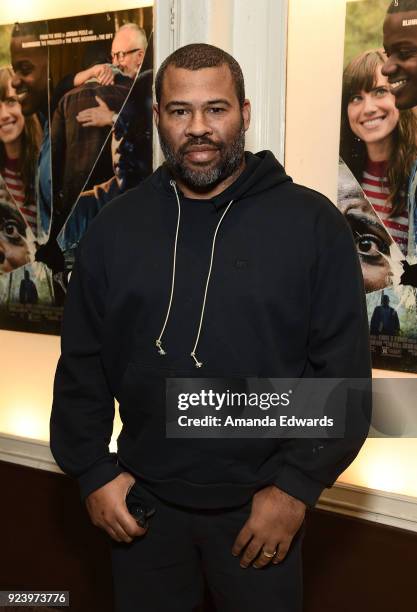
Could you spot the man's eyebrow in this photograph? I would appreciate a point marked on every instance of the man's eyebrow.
(177, 103)
(219, 101)
(187, 104)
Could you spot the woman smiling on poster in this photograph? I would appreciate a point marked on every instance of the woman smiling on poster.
(378, 142)
(20, 139)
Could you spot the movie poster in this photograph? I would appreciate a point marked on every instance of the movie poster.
(377, 187)
(75, 132)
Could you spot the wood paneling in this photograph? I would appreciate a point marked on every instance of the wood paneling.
(49, 543)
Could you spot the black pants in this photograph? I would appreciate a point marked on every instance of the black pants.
(183, 550)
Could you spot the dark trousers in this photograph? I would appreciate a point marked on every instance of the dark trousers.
(185, 551)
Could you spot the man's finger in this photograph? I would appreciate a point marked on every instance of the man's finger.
(242, 539)
(119, 530)
(130, 526)
(264, 559)
(251, 552)
(101, 102)
(111, 533)
(281, 552)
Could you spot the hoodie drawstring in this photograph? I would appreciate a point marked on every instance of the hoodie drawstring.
(161, 351)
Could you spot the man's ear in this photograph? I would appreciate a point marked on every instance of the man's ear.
(246, 114)
(155, 110)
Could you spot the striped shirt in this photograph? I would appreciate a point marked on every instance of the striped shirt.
(16, 189)
(376, 189)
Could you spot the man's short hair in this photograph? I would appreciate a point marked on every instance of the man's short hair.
(34, 29)
(140, 34)
(402, 6)
(197, 56)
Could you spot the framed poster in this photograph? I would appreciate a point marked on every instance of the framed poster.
(376, 188)
(75, 132)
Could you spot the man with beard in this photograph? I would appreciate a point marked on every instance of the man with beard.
(196, 273)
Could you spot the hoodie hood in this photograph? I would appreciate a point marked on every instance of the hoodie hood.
(262, 172)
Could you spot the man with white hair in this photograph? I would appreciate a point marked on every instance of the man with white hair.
(127, 53)
(128, 49)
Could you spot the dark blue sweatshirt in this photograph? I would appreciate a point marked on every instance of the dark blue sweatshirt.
(285, 299)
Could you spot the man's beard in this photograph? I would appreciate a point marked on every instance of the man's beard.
(231, 155)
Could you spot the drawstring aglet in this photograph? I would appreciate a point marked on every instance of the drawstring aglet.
(159, 345)
(198, 364)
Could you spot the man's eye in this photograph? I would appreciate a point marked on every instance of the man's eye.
(10, 229)
(216, 109)
(179, 111)
(370, 245)
(404, 55)
(24, 69)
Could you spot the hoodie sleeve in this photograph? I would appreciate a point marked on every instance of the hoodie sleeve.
(81, 422)
(338, 347)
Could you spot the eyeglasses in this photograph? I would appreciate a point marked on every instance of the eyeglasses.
(120, 55)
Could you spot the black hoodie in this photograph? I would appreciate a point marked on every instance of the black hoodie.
(285, 299)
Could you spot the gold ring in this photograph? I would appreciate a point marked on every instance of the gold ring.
(269, 555)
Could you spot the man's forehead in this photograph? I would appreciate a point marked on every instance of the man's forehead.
(216, 82)
(122, 40)
(400, 27)
(28, 53)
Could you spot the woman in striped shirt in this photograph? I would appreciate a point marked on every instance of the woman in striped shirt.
(20, 139)
(378, 142)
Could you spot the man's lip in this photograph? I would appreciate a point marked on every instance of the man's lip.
(397, 84)
(200, 149)
(21, 94)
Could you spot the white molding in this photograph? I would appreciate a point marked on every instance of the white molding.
(369, 504)
(28, 452)
(260, 46)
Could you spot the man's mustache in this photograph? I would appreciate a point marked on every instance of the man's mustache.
(203, 140)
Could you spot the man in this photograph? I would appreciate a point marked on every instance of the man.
(30, 65)
(78, 153)
(127, 53)
(385, 319)
(216, 266)
(131, 152)
(400, 44)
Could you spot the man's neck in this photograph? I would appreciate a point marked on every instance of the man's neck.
(215, 191)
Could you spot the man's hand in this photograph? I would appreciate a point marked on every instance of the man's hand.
(107, 509)
(97, 116)
(102, 72)
(274, 520)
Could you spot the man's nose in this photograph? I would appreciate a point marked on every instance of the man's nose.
(16, 81)
(197, 125)
(389, 68)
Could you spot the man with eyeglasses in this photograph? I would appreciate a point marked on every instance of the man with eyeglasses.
(127, 53)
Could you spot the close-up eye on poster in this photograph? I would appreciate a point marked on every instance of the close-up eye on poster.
(208, 305)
